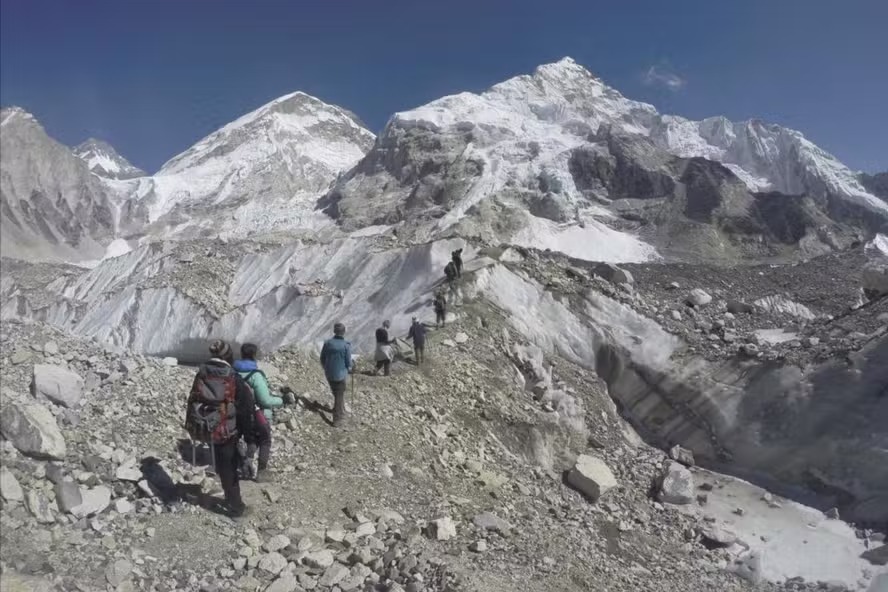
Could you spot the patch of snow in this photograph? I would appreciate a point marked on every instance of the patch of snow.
(775, 336)
(782, 305)
(593, 242)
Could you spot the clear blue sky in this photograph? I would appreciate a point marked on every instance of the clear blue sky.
(152, 77)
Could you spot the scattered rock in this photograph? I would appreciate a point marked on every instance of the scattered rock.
(682, 455)
(591, 477)
(333, 575)
(613, 274)
(123, 506)
(460, 338)
(118, 571)
(737, 307)
(489, 521)
(478, 546)
(442, 529)
(274, 563)
(170, 361)
(717, 536)
(32, 429)
(59, 385)
(9, 486)
(677, 486)
(319, 559)
(95, 501)
(698, 298)
(38, 505)
(67, 496)
(287, 582)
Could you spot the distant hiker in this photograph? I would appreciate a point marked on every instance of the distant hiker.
(384, 354)
(440, 309)
(418, 335)
(336, 358)
(450, 272)
(456, 258)
(221, 410)
(249, 370)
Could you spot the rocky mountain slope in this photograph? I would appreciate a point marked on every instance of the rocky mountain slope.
(52, 206)
(104, 161)
(876, 184)
(560, 160)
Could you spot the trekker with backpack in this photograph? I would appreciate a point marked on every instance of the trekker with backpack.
(336, 358)
(249, 370)
(221, 411)
(384, 354)
(440, 309)
(450, 273)
(418, 334)
(456, 257)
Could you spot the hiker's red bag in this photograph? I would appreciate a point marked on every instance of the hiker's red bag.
(211, 415)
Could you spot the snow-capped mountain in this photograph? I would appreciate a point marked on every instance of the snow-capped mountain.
(533, 161)
(261, 172)
(103, 160)
(52, 206)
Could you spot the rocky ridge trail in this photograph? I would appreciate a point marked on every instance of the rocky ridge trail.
(448, 478)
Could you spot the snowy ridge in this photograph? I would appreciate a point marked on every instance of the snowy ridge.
(268, 166)
(562, 104)
(104, 161)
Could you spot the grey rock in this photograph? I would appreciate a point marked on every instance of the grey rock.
(38, 505)
(749, 567)
(285, 583)
(67, 496)
(591, 477)
(677, 486)
(478, 546)
(613, 274)
(718, 536)
(737, 307)
(118, 571)
(442, 529)
(274, 563)
(32, 429)
(489, 521)
(333, 575)
(319, 559)
(59, 385)
(682, 455)
(698, 298)
(877, 555)
(9, 486)
(277, 542)
(879, 583)
(95, 501)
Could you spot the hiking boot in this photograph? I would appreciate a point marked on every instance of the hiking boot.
(263, 476)
(240, 511)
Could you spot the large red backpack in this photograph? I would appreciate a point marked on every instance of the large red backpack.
(211, 415)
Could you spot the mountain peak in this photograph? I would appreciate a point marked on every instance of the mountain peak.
(15, 113)
(103, 160)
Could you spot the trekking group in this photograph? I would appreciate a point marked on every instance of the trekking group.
(231, 406)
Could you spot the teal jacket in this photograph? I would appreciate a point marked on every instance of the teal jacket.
(250, 372)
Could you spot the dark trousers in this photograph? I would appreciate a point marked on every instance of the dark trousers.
(440, 315)
(337, 387)
(263, 444)
(227, 462)
(419, 353)
(458, 265)
(385, 366)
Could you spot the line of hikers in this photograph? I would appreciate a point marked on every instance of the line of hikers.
(231, 406)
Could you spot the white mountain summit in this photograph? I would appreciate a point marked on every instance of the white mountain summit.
(261, 172)
(104, 161)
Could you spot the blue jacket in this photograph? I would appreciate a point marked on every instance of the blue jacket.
(257, 381)
(336, 358)
(417, 334)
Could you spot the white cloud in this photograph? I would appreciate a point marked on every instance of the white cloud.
(662, 75)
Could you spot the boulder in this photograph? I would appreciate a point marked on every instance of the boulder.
(319, 559)
(442, 529)
(591, 477)
(9, 486)
(95, 501)
(13, 582)
(677, 486)
(32, 429)
(274, 563)
(58, 384)
(613, 274)
(286, 583)
(67, 496)
(682, 455)
(489, 521)
(170, 361)
(277, 542)
(39, 507)
(698, 298)
(715, 536)
(118, 571)
(333, 575)
(737, 307)
(877, 555)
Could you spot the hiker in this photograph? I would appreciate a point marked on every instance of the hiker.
(440, 309)
(249, 370)
(456, 257)
(450, 272)
(418, 334)
(384, 353)
(221, 411)
(336, 358)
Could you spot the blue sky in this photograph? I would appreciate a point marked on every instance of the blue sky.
(152, 77)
